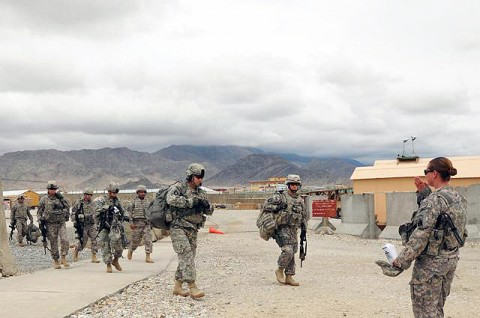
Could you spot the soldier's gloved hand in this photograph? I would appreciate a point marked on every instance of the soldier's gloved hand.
(81, 217)
(206, 204)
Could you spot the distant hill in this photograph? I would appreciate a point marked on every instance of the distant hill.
(225, 165)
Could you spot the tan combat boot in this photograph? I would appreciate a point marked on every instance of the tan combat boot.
(148, 259)
(116, 264)
(290, 281)
(130, 254)
(280, 276)
(194, 291)
(75, 254)
(177, 289)
(109, 268)
(94, 258)
(63, 261)
(56, 264)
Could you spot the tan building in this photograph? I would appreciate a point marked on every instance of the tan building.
(32, 198)
(266, 185)
(397, 176)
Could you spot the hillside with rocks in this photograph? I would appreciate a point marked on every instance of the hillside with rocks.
(225, 165)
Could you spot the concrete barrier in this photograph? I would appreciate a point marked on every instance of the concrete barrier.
(400, 207)
(472, 194)
(358, 216)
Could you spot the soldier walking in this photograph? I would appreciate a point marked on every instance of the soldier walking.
(83, 218)
(290, 213)
(110, 217)
(139, 224)
(19, 214)
(188, 204)
(439, 232)
(53, 212)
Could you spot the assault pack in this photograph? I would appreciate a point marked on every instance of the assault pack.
(267, 219)
(33, 233)
(158, 210)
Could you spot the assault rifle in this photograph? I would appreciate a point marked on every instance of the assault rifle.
(303, 238)
(444, 221)
(79, 224)
(12, 226)
(43, 229)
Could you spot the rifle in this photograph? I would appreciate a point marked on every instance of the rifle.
(79, 224)
(43, 229)
(445, 221)
(12, 226)
(303, 238)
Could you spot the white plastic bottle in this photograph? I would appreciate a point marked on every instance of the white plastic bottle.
(390, 252)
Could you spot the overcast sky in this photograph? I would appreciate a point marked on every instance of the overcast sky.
(321, 78)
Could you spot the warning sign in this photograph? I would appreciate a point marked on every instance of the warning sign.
(324, 208)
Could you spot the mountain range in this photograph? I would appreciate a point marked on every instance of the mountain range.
(225, 166)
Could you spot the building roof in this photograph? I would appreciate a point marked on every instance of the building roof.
(467, 167)
(14, 193)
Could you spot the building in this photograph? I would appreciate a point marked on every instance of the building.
(397, 176)
(32, 198)
(266, 185)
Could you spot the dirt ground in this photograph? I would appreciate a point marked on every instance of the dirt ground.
(338, 277)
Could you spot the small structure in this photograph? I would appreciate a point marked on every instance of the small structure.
(266, 185)
(32, 198)
(397, 176)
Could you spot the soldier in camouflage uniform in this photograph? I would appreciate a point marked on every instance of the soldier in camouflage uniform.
(433, 245)
(84, 211)
(53, 209)
(110, 217)
(139, 224)
(188, 204)
(19, 214)
(289, 212)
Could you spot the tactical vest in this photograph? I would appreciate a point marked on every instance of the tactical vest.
(21, 211)
(88, 210)
(54, 210)
(293, 214)
(138, 208)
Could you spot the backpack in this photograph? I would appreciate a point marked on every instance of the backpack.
(158, 210)
(267, 219)
(33, 233)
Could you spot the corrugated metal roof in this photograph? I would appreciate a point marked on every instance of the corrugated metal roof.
(467, 167)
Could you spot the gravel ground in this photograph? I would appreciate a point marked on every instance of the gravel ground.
(236, 271)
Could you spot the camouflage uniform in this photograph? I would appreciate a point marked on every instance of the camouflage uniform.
(110, 217)
(89, 225)
(290, 213)
(54, 210)
(20, 212)
(139, 224)
(434, 250)
(187, 210)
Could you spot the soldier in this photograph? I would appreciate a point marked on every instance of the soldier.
(83, 218)
(110, 217)
(139, 224)
(290, 213)
(53, 212)
(20, 213)
(188, 204)
(439, 232)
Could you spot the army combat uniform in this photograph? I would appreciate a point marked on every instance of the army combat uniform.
(84, 211)
(19, 214)
(187, 210)
(54, 211)
(435, 250)
(140, 227)
(290, 213)
(110, 217)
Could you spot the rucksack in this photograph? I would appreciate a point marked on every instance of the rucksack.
(267, 219)
(158, 210)
(33, 233)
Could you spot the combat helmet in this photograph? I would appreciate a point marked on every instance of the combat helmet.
(20, 197)
(88, 191)
(113, 187)
(195, 169)
(141, 187)
(52, 185)
(293, 178)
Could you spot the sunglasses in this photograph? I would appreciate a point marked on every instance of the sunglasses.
(198, 177)
(427, 171)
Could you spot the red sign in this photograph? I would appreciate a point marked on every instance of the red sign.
(324, 208)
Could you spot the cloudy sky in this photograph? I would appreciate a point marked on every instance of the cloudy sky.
(320, 78)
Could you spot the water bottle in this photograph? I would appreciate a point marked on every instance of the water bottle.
(390, 252)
